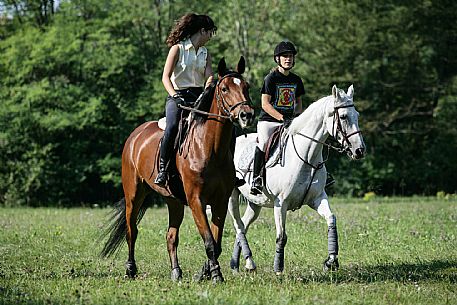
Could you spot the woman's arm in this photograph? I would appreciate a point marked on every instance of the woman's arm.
(268, 108)
(298, 106)
(208, 71)
(172, 58)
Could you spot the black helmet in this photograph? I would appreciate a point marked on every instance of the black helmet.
(285, 47)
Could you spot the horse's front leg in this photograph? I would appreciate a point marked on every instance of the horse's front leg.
(280, 212)
(322, 206)
(210, 268)
(218, 214)
(175, 218)
(241, 226)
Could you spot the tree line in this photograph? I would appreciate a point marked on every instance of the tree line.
(76, 77)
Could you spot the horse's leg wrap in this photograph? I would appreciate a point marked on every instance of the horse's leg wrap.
(332, 236)
(331, 263)
(244, 245)
(235, 260)
(279, 255)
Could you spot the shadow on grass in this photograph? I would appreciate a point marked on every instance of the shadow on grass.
(434, 271)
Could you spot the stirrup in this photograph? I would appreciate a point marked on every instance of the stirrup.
(161, 179)
(256, 187)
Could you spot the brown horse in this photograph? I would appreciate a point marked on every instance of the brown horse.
(205, 173)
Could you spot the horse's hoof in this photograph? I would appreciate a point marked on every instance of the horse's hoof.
(217, 279)
(331, 264)
(234, 265)
(176, 274)
(204, 273)
(250, 265)
(279, 273)
(216, 274)
(130, 270)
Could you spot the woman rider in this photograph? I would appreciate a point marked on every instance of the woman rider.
(281, 101)
(186, 72)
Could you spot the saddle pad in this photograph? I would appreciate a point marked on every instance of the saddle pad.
(162, 123)
(246, 160)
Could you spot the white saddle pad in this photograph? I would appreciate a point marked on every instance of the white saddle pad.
(246, 161)
(162, 123)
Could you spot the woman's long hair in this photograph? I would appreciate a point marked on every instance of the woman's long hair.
(188, 25)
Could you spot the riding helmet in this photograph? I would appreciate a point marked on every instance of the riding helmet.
(284, 47)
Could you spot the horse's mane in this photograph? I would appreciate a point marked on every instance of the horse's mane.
(204, 103)
(312, 113)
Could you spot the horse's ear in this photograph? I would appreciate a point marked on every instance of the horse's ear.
(335, 91)
(335, 95)
(350, 93)
(240, 67)
(221, 67)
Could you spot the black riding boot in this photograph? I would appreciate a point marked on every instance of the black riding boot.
(162, 176)
(257, 185)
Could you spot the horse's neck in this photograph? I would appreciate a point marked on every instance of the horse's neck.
(311, 123)
(216, 133)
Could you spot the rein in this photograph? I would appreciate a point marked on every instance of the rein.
(220, 105)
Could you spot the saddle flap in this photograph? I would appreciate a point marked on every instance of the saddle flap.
(246, 159)
(273, 141)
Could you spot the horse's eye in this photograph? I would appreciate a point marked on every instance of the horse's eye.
(343, 117)
(224, 89)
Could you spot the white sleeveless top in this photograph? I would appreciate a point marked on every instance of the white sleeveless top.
(189, 70)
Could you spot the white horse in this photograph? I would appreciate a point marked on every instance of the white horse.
(296, 174)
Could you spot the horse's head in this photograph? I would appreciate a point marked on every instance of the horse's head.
(343, 123)
(232, 94)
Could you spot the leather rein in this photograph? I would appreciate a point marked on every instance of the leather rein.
(222, 104)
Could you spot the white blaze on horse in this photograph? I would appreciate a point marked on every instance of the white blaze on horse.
(295, 173)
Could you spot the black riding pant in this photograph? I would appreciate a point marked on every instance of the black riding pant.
(173, 114)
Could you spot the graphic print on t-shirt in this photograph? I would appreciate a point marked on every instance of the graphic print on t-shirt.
(285, 96)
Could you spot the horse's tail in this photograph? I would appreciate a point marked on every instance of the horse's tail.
(117, 228)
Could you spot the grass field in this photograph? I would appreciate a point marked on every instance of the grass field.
(392, 251)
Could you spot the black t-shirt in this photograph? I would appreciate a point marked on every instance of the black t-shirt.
(284, 91)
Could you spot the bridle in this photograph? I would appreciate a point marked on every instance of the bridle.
(221, 101)
(222, 104)
(339, 128)
(336, 122)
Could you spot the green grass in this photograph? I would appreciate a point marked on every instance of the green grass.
(392, 251)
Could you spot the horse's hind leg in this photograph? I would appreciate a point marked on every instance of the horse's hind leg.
(322, 206)
(241, 225)
(175, 218)
(134, 198)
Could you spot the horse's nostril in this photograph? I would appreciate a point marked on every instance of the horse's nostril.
(360, 151)
(243, 114)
